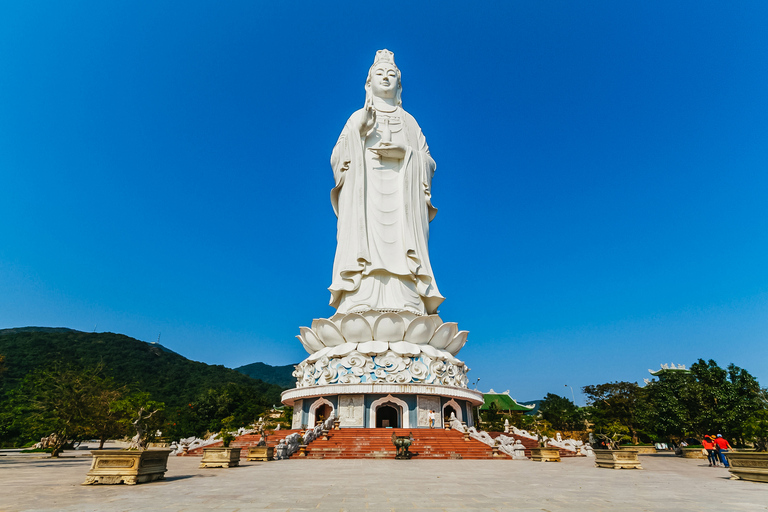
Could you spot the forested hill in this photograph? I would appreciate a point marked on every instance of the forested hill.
(280, 375)
(168, 376)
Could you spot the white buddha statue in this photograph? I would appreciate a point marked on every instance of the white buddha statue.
(383, 172)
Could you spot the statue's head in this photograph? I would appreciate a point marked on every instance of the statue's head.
(384, 77)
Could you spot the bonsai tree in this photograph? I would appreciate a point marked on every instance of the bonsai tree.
(540, 427)
(613, 434)
(263, 432)
(227, 434)
(142, 416)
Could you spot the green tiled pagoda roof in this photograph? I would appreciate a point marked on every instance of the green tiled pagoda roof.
(503, 402)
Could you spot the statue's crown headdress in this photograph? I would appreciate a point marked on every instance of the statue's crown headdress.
(384, 56)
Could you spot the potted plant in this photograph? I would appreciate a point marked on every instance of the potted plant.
(752, 465)
(612, 457)
(543, 430)
(261, 451)
(137, 464)
(223, 456)
(642, 448)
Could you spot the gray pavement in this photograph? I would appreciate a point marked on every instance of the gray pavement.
(667, 483)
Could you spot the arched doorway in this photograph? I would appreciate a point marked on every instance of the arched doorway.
(387, 415)
(453, 407)
(447, 411)
(323, 413)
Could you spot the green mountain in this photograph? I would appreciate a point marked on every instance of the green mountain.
(279, 375)
(166, 375)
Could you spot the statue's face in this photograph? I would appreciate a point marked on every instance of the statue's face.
(384, 81)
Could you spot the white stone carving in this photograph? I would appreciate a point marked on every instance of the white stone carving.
(382, 198)
(296, 422)
(426, 404)
(382, 287)
(356, 368)
(392, 328)
(351, 410)
(386, 333)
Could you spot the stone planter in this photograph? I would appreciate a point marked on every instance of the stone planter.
(545, 454)
(617, 459)
(263, 453)
(641, 450)
(752, 466)
(220, 457)
(693, 453)
(127, 466)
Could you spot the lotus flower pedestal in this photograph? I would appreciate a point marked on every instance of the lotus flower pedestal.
(359, 363)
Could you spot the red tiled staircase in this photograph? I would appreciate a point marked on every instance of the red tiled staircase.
(376, 443)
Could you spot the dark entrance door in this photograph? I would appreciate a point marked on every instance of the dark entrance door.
(323, 413)
(447, 413)
(387, 416)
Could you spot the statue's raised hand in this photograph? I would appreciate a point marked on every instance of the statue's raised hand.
(369, 118)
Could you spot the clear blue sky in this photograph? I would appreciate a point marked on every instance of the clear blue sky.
(601, 175)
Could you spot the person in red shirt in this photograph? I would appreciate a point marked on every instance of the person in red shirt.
(722, 446)
(709, 445)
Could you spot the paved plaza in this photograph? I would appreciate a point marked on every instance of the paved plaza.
(667, 483)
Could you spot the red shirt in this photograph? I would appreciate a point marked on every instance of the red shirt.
(722, 443)
(708, 445)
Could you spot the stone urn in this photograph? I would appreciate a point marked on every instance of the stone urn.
(262, 453)
(641, 450)
(617, 459)
(127, 466)
(545, 454)
(220, 457)
(693, 453)
(752, 466)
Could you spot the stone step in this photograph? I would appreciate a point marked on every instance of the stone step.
(362, 443)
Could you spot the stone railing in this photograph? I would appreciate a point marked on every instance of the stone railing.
(190, 443)
(505, 444)
(513, 447)
(571, 445)
(291, 444)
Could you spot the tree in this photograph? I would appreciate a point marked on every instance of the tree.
(616, 402)
(706, 400)
(206, 412)
(561, 413)
(720, 399)
(670, 406)
(613, 434)
(756, 430)
(64, 405)
(141, 415)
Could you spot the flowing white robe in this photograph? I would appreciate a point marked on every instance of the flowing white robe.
(384, 209)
